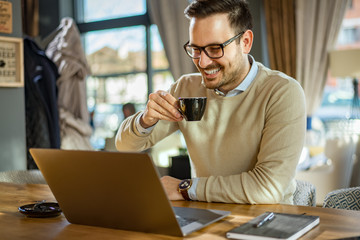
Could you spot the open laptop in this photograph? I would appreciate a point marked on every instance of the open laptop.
(116, 190)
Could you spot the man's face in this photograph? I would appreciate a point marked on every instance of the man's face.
(228, 71)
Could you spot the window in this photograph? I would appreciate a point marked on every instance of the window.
(97, 10)
(338, 93)
(126, 57)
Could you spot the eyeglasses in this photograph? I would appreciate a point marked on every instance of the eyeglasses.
(213, 51)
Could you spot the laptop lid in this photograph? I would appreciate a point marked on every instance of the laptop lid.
(115, 190)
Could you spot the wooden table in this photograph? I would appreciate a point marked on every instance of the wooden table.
(334, 223)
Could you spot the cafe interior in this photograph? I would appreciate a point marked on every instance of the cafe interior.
(121, 51)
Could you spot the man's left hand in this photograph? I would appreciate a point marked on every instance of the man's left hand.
(171, 186)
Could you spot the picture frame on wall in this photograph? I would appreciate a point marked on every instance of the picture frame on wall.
(11, 62)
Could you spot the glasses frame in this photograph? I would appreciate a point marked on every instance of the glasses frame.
(221, 45)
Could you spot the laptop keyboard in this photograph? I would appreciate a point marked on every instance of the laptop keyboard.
(185, 221)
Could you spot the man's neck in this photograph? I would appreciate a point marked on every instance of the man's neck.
(225, 89)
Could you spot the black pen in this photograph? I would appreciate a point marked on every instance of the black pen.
(268, 217)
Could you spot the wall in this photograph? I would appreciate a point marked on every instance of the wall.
(12, 113)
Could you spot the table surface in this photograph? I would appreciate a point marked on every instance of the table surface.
(334, 223)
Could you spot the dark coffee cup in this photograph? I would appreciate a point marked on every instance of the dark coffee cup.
(192, 108)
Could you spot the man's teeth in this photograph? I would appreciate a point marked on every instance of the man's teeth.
(212, 71)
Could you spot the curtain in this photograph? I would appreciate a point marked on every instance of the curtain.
(280, 26)
(317, 27)
(174, 32)
(30, 17)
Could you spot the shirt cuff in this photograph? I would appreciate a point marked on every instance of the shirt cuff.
(140, 129)
(192, 189)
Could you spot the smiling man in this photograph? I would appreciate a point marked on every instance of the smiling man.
(248, 143)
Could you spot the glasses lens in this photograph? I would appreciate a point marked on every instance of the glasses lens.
(214, 51)
(193, 52)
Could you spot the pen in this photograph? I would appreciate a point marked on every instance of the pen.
(268, 217)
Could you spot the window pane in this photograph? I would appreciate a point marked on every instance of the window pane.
(159, 60)
(106, 96)
(336, 108)
(96, 10)
(116, 50)
(162, 81)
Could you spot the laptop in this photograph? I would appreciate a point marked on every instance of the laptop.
(119, 190)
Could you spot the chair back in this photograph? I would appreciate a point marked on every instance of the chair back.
(336, 175)
(346, 198)
(305, 194)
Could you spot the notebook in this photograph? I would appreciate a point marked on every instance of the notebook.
(282, 226)
(116, 190)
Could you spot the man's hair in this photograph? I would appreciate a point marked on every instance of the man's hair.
(238, 12)
(130, 107)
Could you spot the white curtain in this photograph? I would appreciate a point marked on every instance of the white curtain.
(173, 27)
(317, 27)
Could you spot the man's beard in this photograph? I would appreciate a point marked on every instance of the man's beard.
(227, 78)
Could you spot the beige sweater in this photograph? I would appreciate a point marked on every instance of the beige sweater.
(246, 147)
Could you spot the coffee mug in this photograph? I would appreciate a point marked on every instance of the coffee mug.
(192, 108)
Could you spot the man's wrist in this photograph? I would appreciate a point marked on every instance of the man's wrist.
(192, 189)
(140, 128)
(183, 188)
(142, 123)
(187, 188)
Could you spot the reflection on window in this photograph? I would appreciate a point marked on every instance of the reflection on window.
(116, 50)
(96, 10)
(338, 93)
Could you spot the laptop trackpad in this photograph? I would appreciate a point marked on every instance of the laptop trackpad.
(192, 219)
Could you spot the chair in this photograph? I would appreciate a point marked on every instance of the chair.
(33, 176)
(346, 198)
(355, 176)
(305, 194)
(337, 174)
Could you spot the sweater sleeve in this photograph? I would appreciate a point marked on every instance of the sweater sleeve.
(271, 180)
(129, 139)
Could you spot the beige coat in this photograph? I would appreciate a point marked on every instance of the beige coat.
(68, 54)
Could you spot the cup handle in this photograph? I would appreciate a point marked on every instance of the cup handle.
(182, 114)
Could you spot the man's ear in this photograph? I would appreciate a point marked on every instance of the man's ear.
(247, 41)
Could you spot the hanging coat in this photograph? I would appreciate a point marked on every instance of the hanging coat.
(41, 110)
(68, 54)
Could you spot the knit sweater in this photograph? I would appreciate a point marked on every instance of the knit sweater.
(246, 147)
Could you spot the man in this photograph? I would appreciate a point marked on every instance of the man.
(247, 145)
(128, 110)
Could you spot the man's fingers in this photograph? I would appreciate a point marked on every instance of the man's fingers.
(165, 104)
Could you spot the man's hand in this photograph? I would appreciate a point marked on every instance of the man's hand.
(161, 106)
(171, 187)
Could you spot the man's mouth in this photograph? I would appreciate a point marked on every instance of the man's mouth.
(211, 73)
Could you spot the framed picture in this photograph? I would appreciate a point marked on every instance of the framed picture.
(11, 62)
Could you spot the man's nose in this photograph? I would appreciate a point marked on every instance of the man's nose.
(204, 60)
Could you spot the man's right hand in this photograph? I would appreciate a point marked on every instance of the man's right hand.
(161, 106)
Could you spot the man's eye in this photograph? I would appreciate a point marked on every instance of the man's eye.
(213, 49)
(195, 50)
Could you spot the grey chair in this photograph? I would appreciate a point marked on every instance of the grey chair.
(345, 198)
(22, 177)
(305, 194)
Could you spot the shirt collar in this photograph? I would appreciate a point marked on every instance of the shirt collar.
(245, 83)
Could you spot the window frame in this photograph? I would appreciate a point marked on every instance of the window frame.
(122, 22)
